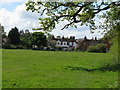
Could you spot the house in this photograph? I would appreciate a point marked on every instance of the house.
(88, 42)
(66, 44)
(2, 41)
(85, 43)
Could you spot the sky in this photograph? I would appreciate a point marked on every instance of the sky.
(13, 13)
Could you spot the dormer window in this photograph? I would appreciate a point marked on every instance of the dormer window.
(64, 43)
(58, 42)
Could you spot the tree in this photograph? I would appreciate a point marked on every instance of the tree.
(38, 39)
(2, 32)
(24, 37)
(50, 41)
(112, 28)
(73, 12)
(111, 23)
(14, 36)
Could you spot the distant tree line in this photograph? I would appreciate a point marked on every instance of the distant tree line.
(23, 39)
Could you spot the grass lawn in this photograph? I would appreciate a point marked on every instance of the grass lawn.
(54, 69)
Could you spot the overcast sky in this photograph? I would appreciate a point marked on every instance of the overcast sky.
(14, 14)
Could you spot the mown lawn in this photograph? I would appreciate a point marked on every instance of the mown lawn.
(54, 69)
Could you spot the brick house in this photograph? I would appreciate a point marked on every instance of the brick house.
(85, 43)
(68, 44)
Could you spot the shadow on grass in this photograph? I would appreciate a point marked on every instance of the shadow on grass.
(105, 68)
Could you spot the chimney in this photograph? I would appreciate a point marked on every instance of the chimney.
(95, 38)
(53, 37)
(63, 37)
(73, 37)
(85, 38)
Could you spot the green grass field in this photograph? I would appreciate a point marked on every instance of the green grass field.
(55, 69)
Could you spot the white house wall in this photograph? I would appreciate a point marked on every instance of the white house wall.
(64, 44)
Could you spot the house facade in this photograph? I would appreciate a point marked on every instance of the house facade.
(85, 43)
(65, 43)
(88, 42)
(68, 44)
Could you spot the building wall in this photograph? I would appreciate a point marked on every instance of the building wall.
(61, 44)
(65, 44)
(84, 43)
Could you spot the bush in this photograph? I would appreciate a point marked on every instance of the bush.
(114, 51)
(92, 49)
(19, 47)
(6, 46)
(75, 49)
(101, 48)
(98, 48)
(13, 46)
(114, 48)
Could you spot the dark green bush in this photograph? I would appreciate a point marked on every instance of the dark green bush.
(92, 49)
(101, 48)
(13, 46)
(19, 47)
(6, 46)
(98, 48)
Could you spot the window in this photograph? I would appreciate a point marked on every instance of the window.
(64, 43)
(72, 43)
(58, 43)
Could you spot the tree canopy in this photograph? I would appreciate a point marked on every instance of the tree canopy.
(2, 31)
(74, 12)
(38, 38)
(111, 23)
(14, 36)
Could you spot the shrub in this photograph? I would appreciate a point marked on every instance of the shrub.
(13, 46)
(114, 51)
(75, 49)
(6, 46)
(101, 48)
(92, 49)
(19, 47)
(98, 48)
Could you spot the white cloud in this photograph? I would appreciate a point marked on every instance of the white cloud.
(19, 18)
(77, 32)
(11, 1)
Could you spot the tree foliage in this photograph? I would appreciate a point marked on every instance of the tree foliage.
(98, 48)
(38, 38)
(24, 37)
(14, 36)
(111, 23)
(74, 12)
(2, 31)
(112, 28)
